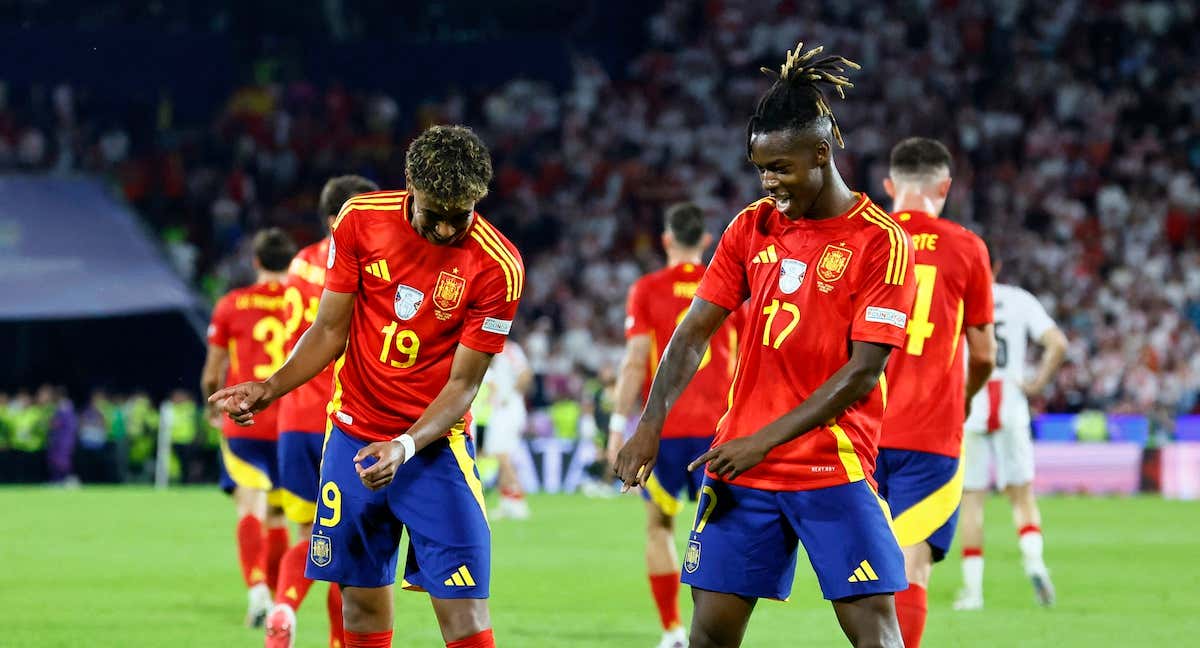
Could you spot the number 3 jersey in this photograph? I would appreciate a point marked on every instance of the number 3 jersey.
(814, 287)
(927, 398)
(415, 303)
(249, 323)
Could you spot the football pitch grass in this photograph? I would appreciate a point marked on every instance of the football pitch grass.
(126, 567)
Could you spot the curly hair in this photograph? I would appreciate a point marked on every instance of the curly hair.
(450, 164)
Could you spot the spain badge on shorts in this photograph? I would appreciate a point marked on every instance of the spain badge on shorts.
(449, 291)
(320, 550)
(691, 557)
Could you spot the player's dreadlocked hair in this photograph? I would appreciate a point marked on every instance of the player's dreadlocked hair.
(450, 163)
(796, 99)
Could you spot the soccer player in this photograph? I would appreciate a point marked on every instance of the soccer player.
(246, 340)
(828, 278)
(504, 387)
(998, 430)
(656, 304)
(302, 421)
(919, 473)
(420, 293)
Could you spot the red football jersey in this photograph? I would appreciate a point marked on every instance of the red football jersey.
(415, 303)
(249, 322)
(303, 408)
(800, 327)
(926, 379)
(656, 305)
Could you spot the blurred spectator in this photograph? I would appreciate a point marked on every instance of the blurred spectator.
(63, 434)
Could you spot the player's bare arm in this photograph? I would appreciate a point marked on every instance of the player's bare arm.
(321, 344)
(629, 381)
(216, 364)
(1054, 345)
(679, 363)
(452, 402)
(846, 386)
(981, 359)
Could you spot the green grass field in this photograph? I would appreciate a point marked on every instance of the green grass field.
(132, 567)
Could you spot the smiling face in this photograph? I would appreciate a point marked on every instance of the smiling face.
(790, 165)
(440, 224)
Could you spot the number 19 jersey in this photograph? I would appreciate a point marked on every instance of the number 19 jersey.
(249, 323)
(813, 287)
(415, 303)
(927, 385)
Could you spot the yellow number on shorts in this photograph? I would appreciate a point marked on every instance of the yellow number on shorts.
(272, 333)
(707, 348)
(919, 326)
(770, 312)
(702, 519)
(332, 498)
(407, 343)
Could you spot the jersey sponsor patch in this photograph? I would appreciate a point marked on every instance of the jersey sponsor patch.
(493, 325)
(408, 302)
(791, 275)
(886, 316)
(344, 417)
(332, 254)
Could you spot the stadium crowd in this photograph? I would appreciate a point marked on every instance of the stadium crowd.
(1081, 169)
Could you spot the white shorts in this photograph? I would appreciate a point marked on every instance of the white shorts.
(1009, 449)
(504, 430)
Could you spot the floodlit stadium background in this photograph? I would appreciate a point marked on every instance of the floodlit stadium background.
(141, 145)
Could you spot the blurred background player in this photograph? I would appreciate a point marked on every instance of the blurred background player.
(246, 341)
(998, 434)
(421, 292)
(302, 421)
(502, 395)
(919, 473)
(828, 279)
(656, 304)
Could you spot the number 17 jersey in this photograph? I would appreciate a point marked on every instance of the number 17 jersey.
(415, 302)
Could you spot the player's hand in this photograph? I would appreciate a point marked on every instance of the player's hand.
(636, 460)
(241, 402)
(732, 458)
(389, 456)
(1030, 390)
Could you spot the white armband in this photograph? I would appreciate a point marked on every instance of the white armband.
(410, 446)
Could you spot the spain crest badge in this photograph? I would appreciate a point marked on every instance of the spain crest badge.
(833, 262)
(449, 291)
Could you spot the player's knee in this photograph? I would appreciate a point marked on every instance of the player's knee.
(704, 636)
(363, 610)
(462, 621)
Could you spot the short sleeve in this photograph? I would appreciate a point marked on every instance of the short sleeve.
(637, 311)
(342, 265)
(1039, 320)
(978, 307)
(724, 282)
(885, 293)
(218, 327)
(490, 315)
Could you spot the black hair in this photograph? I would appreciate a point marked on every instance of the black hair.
(796, 101)
(340, 189)
(685, 221)
(919, 156)
(274, 249)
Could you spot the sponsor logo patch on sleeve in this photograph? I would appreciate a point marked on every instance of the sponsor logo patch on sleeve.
(499, 326)
(886, 316)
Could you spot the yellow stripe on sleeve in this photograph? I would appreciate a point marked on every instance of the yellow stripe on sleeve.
(897, 268)
(902, 270)
(508, 278)
(490, 233)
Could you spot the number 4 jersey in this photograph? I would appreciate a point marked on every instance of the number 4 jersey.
(415, 303)
(927, 398)
(813, 287)
(249, 323)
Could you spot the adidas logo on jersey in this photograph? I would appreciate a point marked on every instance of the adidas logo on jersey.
(460, 578)
(379, 269)
(863, 573)
(766, 256)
